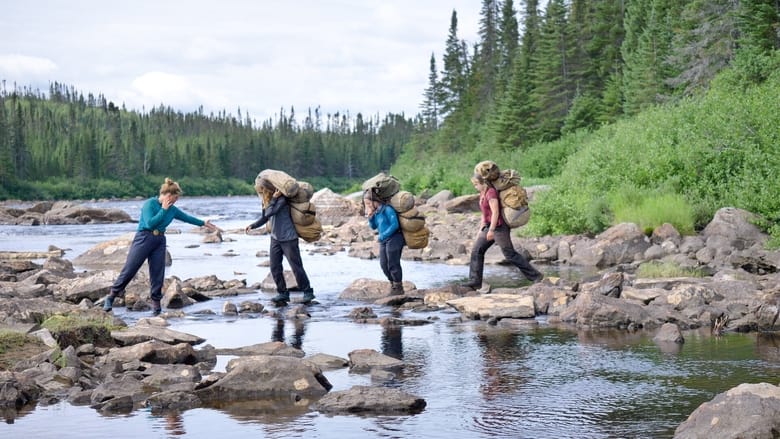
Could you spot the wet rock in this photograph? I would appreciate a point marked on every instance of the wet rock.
(495, 306)
(363, 360)
(327, 361)
(745, 411)
(142, 333)
(669, 333)
(262, 376)
(373, 400)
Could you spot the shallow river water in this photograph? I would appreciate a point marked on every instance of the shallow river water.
(535, 381)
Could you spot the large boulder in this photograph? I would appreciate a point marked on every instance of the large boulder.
(265, 376)
(746, 411)
(620, 244)
(332, 208)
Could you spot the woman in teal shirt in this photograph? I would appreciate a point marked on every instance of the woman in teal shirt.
(149, 243)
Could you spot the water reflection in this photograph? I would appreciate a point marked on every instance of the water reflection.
(297, 338)
(503, 370)
(391, 341)
(768, 347)
(174, 424)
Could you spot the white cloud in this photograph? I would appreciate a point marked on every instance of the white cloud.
(260, 56)
(21, 66)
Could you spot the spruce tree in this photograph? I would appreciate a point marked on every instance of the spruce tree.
(454, 70)
(646, 49)
(508, 43)
(431, 105)
(551, 76)
(704, 45)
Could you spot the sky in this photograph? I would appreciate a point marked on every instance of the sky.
(259, 56)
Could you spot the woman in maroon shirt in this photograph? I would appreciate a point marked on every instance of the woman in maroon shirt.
(492, 229)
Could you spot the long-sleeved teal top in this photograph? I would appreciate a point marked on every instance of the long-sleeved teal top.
(154, 217)
(385, 220)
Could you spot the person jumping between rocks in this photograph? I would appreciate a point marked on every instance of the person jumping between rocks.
(493, 230)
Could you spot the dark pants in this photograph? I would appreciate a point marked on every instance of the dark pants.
(390, 257)
(290, 250)
(503, 239)
(145, 246)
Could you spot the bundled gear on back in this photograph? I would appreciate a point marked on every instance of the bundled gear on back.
(512, 196)
(388, 189)
(299, 193)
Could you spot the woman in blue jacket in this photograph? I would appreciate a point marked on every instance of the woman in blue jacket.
(149, 243)
(383, 218)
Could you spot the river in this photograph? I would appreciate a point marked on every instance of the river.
(479, 381)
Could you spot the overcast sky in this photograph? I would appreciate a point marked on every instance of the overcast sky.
(257, 55)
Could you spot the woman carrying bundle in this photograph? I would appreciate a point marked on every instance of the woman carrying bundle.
(382, 217)
(492, 229)
(284, 242)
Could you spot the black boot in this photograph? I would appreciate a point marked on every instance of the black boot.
(308, 295)
(472, 285)
(396, 289)
(108, 303)
(281, 299)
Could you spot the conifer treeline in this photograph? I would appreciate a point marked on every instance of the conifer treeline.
(535, 75)
(64, 134)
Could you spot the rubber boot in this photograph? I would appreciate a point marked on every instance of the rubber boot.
(108, 303)
(308, 295)
(281, 299)
(396, 289)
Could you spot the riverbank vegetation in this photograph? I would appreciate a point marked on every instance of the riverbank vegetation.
(657, 112)
(643, 111)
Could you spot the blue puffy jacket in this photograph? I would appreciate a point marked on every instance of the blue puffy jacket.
(386, 220)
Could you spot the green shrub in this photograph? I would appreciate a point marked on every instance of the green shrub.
(649, 210)
(682, 162)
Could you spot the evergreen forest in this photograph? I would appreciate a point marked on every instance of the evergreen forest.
(648, 111)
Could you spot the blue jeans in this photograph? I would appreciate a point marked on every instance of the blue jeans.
(145, 246)
(390, 257)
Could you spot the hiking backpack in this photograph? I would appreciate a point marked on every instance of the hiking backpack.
(513, 198)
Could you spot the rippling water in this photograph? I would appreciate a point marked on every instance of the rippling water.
(531, 381)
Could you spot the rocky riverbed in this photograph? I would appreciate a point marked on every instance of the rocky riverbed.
(735, 289)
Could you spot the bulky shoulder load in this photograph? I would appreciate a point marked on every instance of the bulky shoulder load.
(382, 185)
(513, 197)
(412, 222)
(298, 193)
(287, 185)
